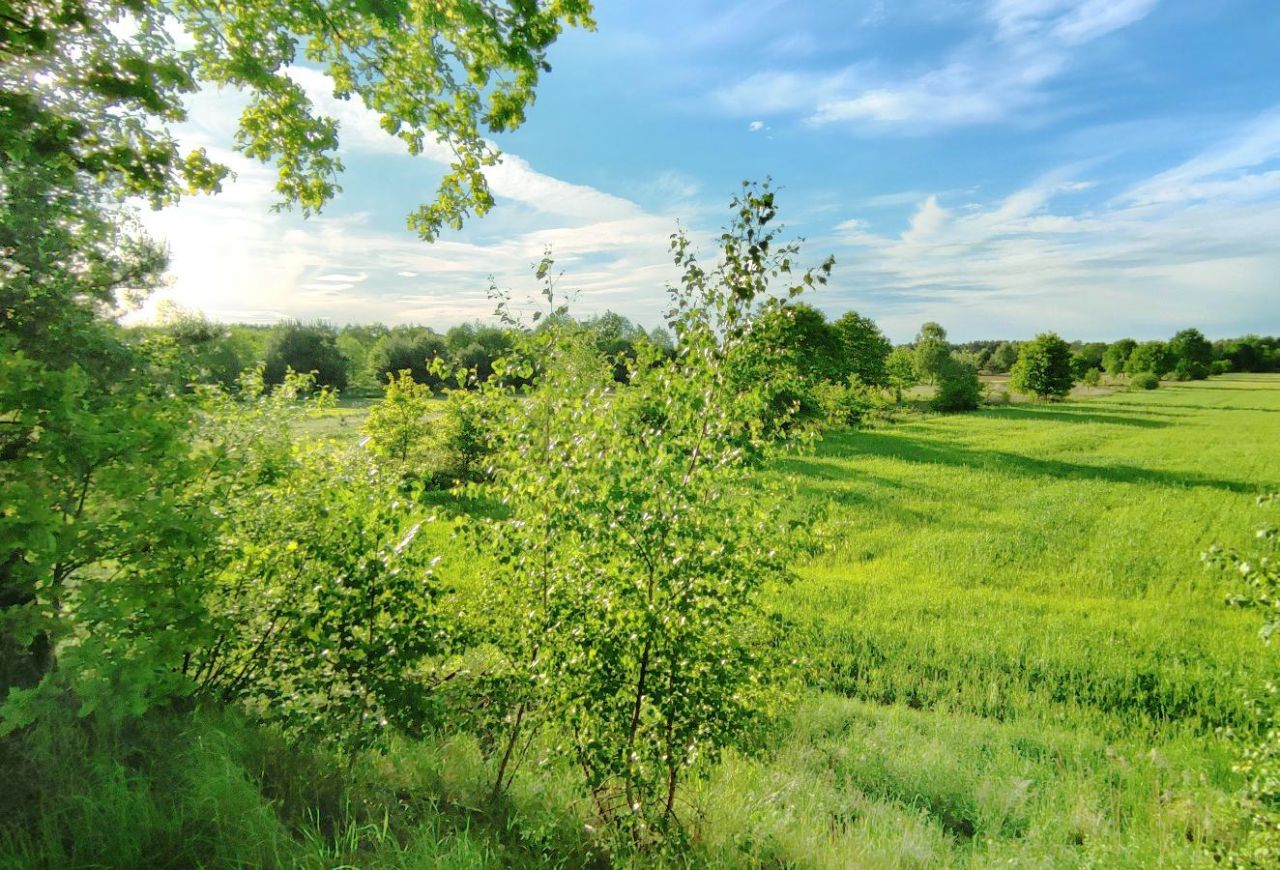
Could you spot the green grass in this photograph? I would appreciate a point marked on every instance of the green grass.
(1011, 655)
(1043, 559)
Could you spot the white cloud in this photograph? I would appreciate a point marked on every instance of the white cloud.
(1023, 44)
(1220, 171)
(235, 259)
(756, 126)
(1139, 264)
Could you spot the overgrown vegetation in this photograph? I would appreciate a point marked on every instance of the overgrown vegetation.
(581, 595)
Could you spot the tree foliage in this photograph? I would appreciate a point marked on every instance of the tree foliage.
(306, 349)
(1044, 368)
(932, 353)
(1191, 354)
(864, 347)
(634, 553)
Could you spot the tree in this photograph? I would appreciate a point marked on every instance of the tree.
(958, 386)
(900, 370)
(1003, 357)
(863, 348)
(306, 348)
(1088, 356)
(88, 89)
(629, 566)
(438, 75)
(410, 349)
(1151, 357)
(1191, 355)
(932, 352)
(1116, 357)
(1044, 368)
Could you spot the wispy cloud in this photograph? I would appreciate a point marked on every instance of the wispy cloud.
(1019, 47)
(262, 266)
(1166, 253)
(1220, 172)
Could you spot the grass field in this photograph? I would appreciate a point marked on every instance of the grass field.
(1011, 651)
(1010, 648)
(1009, 655)
(1012, 612)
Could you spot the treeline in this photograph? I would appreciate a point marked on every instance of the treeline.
(1188, 355)
(360, 359)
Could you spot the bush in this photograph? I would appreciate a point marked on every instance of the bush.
(1190, 370)
(958, 387)
(1144, 381)
(1220, 367)
(1092, 378)
(848, 404)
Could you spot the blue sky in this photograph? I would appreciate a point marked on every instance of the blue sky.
(1098, 167)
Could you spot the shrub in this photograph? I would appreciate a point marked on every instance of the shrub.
(1044, 368)
(1144, 381)
(846, 405)
(958, 387)
(1092, 378)
(1220, 367)
(398, 427)
(1190, 370)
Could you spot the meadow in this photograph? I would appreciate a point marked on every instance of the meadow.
(1007, 653)
(1008, 649)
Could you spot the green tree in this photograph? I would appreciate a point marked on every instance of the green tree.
(1003, 357)
(863, 348)
(305, 348)
(1116, 357)
(1191, 355)
(1151, 357)
(958, 386)
(1087, 356)
(932, 352)
(96, 454)
(630, 570)
(900, 370)
(399, 426)
(1044, 368)
(411, 349)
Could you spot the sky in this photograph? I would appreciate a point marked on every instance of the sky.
(1100, 168)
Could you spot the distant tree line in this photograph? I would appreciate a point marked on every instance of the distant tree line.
(362, 358)
(843, 367)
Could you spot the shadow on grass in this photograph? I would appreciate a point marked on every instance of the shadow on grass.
(1073, 414)
(926, 451)
(1188, 407)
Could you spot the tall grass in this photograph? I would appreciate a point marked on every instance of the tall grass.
(1012, 658)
